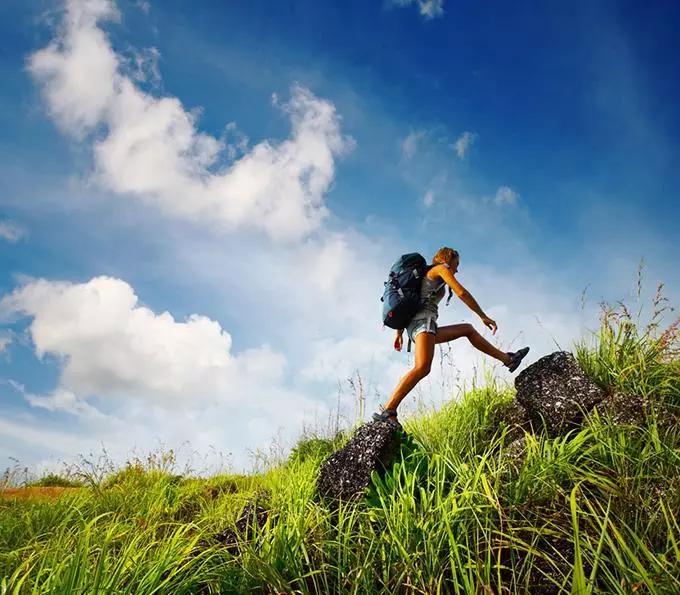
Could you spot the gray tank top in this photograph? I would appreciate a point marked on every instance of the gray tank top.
(431, 293)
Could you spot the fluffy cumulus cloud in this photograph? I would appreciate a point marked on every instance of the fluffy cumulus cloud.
(505, 196)
(463, 144)
(151, 148)
(111, 346)
(127, 370)
(11, 232)
(429, 9)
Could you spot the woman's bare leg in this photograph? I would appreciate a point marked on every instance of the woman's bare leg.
(455, 331)
(421, 368)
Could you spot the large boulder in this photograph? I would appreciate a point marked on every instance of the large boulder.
(556, 392)
(346, 474)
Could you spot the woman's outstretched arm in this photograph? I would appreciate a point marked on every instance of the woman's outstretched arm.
(466, 297)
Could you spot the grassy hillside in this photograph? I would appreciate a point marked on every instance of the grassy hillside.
(594, 511)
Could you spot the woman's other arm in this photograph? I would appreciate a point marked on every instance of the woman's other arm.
(399, 339)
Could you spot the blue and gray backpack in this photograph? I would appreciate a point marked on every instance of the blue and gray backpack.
(401, 298)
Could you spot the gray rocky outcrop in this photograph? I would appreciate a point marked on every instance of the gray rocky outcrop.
(346, 474)
(556, 392)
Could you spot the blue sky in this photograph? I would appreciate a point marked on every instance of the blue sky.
(259, 165)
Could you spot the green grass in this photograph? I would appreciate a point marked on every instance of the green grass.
(53, 480)
(593, 511)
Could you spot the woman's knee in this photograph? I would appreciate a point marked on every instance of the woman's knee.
(469, 330)
(422, 370)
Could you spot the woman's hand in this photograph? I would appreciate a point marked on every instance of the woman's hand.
(489, 322)
(399, 341)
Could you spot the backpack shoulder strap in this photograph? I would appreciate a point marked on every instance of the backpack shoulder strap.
(443, 284)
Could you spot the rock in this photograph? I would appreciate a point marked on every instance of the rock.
(517, 447)
(346, 474)
(556, 389)
(621, 408)
(514, 453)
(539, 555)
(253, 515)
(556, 561)
(512, 415)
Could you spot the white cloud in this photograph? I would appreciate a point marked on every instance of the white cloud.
(79, 70)
(5, 340)
(506, 196)
(58, 400)
(111, 346)
(159, 379)
(409, 145)
(152, 150)
(11, 232)
(49, 441)
(235, 142)
(427, 8)
(463, 143)
(155, 377)
(143, 66)
(143, 5)
(435, 188)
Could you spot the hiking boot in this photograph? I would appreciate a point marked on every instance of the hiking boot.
(516, 358)
(388, 415)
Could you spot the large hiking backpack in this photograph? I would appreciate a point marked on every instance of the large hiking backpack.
(401, 298)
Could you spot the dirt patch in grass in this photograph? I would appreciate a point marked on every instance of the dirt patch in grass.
(36, 493)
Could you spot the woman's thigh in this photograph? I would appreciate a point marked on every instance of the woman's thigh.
(452, 332)
(424, 349)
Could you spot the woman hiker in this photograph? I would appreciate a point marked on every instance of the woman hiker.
(425, 333)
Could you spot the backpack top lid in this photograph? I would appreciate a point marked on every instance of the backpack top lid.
(409, 261)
